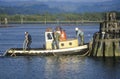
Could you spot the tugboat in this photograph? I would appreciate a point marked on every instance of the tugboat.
(67, 46)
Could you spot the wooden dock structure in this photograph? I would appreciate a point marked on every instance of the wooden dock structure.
(106, 42)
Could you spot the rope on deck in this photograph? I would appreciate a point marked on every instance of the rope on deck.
(13, 53)
(85, 54)
(6, 52)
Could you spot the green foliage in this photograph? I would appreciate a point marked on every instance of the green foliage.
(55, 17)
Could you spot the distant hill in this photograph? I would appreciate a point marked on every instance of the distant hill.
(36, 7)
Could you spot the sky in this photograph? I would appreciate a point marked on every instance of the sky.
(77, 0)
(62, 0)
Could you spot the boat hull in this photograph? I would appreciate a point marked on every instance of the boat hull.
(80, 50)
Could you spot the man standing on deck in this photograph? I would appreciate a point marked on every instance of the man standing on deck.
(80, 34)
(55, 42)
(27, 41)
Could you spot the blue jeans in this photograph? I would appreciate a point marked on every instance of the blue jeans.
(55, 44)
(26, 45)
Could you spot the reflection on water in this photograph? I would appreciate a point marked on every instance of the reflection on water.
(61, 67)
(58, 67)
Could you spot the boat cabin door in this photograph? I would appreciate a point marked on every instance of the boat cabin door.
(48, 39)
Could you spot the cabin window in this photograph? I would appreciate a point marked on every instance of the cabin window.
(70, 43)
(49, 36)
(62, 44)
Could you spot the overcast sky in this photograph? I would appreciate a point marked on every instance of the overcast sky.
(62, 0)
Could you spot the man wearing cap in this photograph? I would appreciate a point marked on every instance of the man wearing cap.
(27, 41)
(80, 34)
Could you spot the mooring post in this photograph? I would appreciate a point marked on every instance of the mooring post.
(106, 42)
(6, 21)
(22, 21)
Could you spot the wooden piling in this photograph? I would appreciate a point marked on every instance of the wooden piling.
(106, 42)
(6, 21)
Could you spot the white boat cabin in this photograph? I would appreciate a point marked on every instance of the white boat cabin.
(69, 43)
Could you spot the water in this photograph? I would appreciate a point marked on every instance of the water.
(52, 67)
(13, 37)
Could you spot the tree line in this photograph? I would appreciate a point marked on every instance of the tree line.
(55, 17)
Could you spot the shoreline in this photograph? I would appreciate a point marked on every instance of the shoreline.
(14, 25)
